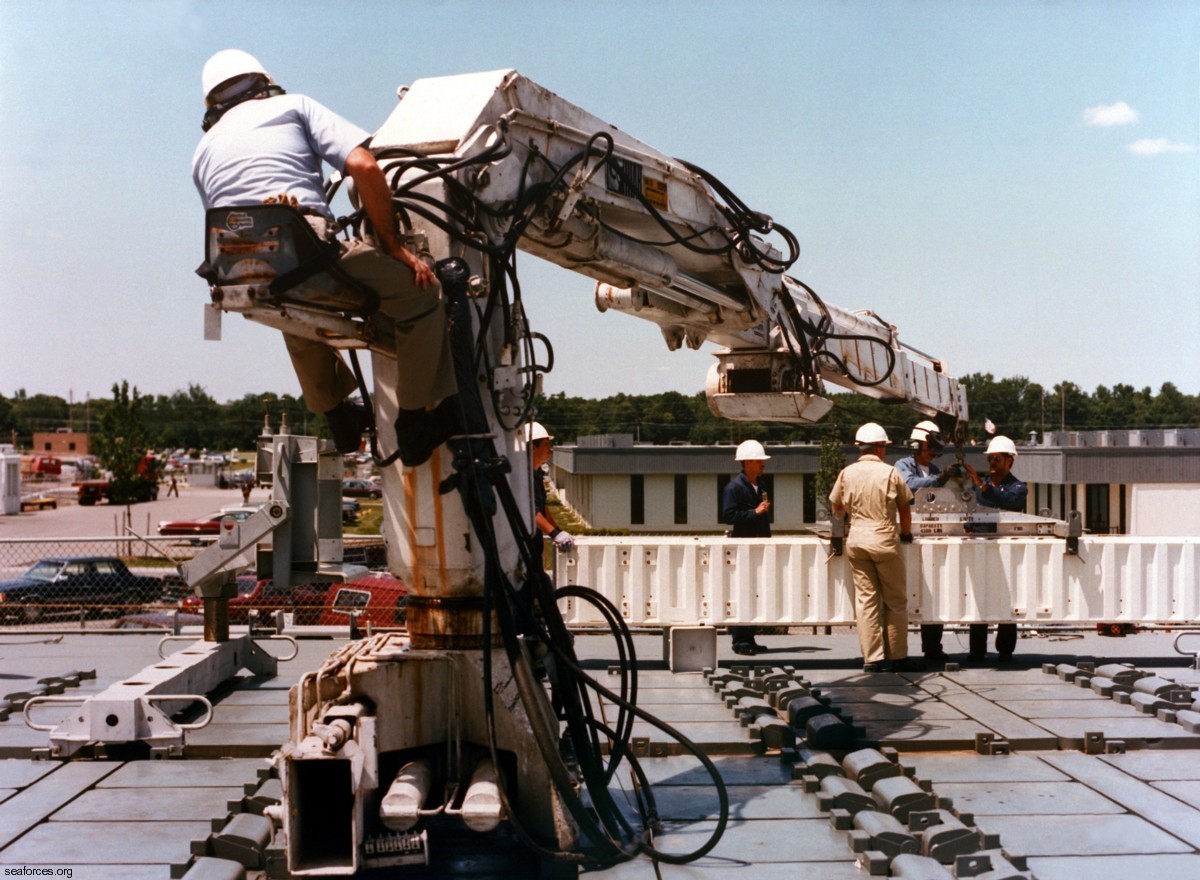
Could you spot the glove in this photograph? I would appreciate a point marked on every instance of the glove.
(955, 471)
(906, 537)
(563, 540)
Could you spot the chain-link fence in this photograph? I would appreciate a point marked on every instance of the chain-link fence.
(119, 583)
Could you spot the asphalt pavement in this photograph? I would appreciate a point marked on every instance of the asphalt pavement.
(69, 520)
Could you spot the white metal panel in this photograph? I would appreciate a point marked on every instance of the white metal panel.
(1164, 509)
(671, 581)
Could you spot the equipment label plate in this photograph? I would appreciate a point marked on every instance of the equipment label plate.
(655, 192)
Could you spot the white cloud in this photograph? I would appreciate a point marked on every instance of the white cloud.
(1108, 115)
(1158, 146)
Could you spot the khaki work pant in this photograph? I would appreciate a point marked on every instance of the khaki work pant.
(424, 366)
(880, 601)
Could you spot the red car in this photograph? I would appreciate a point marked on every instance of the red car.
(376, 598)
(209, 525)
(303, 600)
(361, 489)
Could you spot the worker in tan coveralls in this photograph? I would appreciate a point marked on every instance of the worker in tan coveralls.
(875, 496)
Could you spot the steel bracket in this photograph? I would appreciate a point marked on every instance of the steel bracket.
(140, 709)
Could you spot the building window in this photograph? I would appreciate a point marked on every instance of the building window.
(1096, 519)
(637, 500)
(681, 499)
(71, 446)
(809, 490)
(722, 482)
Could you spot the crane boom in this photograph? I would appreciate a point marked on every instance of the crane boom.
(666, 242)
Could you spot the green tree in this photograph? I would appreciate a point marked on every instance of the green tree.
(1014, 405)
(830, 461)
(7, 423)
(121, 442)
(1068, 408)
(39, 412)
(1170, 408)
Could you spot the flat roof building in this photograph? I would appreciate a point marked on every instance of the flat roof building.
(1122, 482)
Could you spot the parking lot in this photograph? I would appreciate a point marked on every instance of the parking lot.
(71, 520)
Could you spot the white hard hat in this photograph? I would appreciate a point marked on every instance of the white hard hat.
(226, 65)
(1002, 444)
(927, 430)
(537, 432)
(871, 434)
(750, 450)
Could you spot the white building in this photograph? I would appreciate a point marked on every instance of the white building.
(1122, 482)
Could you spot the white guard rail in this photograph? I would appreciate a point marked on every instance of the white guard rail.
(687, 581)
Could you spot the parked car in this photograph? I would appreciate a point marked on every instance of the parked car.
(46, 466)
(207, 525)
(303, 600)
(242, 478)
(64, 583)
(361, 489)
(377, 598)
(175, 587)
(350, 511)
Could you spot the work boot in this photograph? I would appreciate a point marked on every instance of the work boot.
(347, 422)
(420, 431)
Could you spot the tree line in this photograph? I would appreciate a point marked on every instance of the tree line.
(1015, 406)
(187, 419)
(192, 419)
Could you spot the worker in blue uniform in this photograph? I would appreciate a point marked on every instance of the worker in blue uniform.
(999, 489)
(920, 472)
(746, 508)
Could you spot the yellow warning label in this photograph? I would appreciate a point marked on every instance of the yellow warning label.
(655, 192)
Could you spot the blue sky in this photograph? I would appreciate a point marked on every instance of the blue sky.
(1015, 185)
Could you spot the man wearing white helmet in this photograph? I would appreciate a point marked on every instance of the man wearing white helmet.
(873, 495)
(918, 469)
(746, 508)
(540, 449)
(1002, 490)
(262, 145)
(920, 472)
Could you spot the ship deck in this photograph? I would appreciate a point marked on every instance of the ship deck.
(1073, 781)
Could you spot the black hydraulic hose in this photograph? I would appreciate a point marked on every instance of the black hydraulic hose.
(559, 642)
(687, 745)
(601, 821)
(479, 477)
(820, 334)
(626, 661)
(558, 639)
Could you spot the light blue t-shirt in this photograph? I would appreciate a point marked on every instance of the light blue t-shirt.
(270, 147)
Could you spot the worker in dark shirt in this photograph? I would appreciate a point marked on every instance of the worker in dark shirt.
(920, 472)
(1002, 490)
(746, 508)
